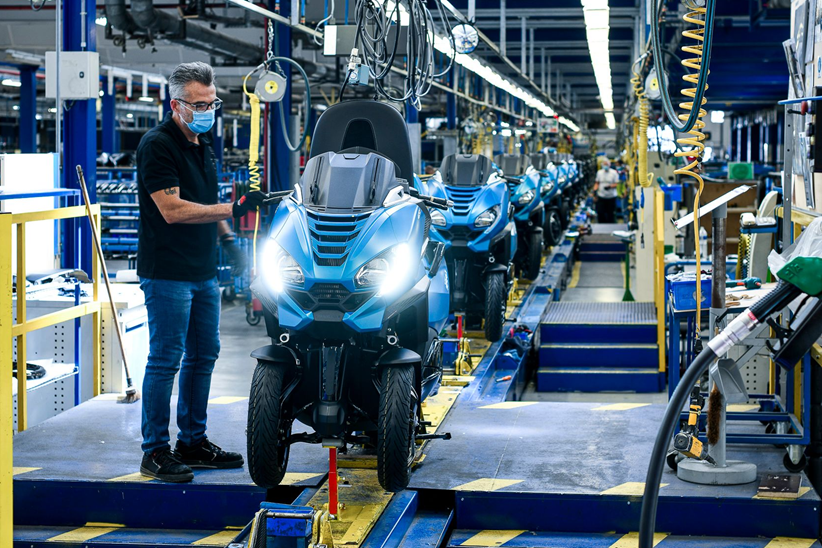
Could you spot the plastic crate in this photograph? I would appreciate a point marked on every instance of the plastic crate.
(683, 293)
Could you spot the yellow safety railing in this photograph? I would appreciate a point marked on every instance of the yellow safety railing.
(10, 330)
(659, 273)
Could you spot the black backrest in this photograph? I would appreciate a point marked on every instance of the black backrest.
(466, 170)
(368, 125)
(512, 165)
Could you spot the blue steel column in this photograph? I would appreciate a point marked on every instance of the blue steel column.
(451, 110)
(167, 103)
(278, 153)
(219, 140)
(80, 128)
(109, 122)
(28, 109)
(412, 115)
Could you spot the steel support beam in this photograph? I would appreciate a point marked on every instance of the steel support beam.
(80, 128)
(108, 123)
(531, 63)
(503, 47)
(523, 51)
(279, 155)
(219, 139)
(451, 110)
(28, 109)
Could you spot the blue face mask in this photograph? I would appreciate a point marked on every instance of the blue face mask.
(201, 121)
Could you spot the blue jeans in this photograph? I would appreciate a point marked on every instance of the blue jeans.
(183, 327)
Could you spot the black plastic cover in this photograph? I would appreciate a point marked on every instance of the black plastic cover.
(466, 170)
(512, 165)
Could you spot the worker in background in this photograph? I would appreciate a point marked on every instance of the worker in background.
(605, 193)
(180, 222)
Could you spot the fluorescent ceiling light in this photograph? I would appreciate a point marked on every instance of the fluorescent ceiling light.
(146, 99)
(609, 119)
(717, 116)
(597, 15)
(15, 107)
(11, 83)
(568, 123)
(129, 115)
(101, 21)
(506, 132)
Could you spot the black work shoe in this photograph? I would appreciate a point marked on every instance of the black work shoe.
(207, 455)
(165, 465)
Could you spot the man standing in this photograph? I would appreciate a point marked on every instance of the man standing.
(606, 193)
(180, 221)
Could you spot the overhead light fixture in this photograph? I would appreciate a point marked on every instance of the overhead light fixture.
(38, 117)
(101, 21)
(506, 132)
(53, 110)
(15, 107)
(597, 27)
(717, 116)
(129, 116)
(569, 124)
(11, 83)
(145, 99)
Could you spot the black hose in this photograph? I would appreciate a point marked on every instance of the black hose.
(773, 302)
(647, 519)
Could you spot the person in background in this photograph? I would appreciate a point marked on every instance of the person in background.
(605, 193)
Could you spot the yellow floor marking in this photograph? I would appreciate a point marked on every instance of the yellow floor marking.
(295, 477)
(135, 477)
(491, 537)
(742, 407)
(17, 470)
(217, 539)
(508, 405)
(486, 484)
(360, 462)
(457, 380)
(789, 542)
(364, 502)
(575, 275)
(224, 400)
(86, 533)
(631, 540)
(434, 408)
(631, 488)
(802, 492)
(619, 406)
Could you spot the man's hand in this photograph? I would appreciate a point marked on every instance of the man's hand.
(250, 202)
(236, 257)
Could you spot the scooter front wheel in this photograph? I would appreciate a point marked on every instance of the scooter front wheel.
(396, 427)
(267, 429)
(495, 297)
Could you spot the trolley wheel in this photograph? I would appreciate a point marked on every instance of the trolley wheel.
(252, 318)
(229, 293)
(797, 467)
(671, 460)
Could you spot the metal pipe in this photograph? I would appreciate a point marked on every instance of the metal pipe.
(118, 16)
(58, 115)
(503, 48)
(719, 222)
(531, 73)
(523, 60)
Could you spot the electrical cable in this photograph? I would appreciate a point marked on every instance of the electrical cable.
(703, 50)
(329, 17)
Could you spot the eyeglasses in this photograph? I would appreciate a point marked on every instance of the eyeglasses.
(203, 107)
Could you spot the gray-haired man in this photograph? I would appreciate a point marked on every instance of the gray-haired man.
(180, 221)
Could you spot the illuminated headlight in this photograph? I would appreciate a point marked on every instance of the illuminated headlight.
(278, 268)
(546, 188)
(525, 197)
(437, 218)
(486, 218)
(388, 271)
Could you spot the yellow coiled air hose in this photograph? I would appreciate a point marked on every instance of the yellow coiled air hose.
(695, 140)
(253, 158)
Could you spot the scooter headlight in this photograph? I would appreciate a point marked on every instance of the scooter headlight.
(437, 218)
(546, 188)
(525, 197)
(486, 218)
(388, 271)
(279, 268)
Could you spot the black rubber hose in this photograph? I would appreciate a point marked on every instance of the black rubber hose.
(647, 519)
(776, 299)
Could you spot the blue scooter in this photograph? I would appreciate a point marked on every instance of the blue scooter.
(354, 294)
(551, 195)
(479, 235)
(529, 211)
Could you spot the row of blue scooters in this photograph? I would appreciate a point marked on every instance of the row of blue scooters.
(504, 213)
(363, 267)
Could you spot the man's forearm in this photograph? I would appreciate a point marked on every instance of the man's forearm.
(185, 212)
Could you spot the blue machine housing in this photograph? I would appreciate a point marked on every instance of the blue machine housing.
(474, 185)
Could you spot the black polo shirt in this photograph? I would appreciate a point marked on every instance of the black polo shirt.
(166, 159)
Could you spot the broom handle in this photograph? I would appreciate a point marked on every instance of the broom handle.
(105, 272)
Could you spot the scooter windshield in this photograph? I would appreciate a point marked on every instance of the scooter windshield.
(348, 181)
(466, 170)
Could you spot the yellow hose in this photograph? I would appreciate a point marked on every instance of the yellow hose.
(696, 137)
(253, 158)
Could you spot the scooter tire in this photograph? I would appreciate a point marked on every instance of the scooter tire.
(267, 430)
(495, 297)
(396, 427)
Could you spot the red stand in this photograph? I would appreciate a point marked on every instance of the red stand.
(459, 327)
(333, 502)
